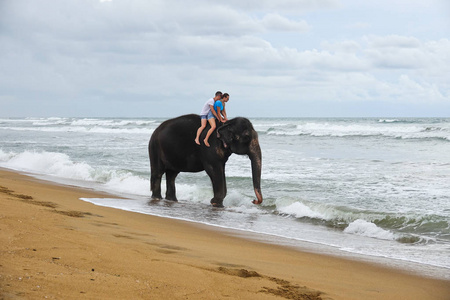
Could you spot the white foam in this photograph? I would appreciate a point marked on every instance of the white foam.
(245, 209)
(4, 157)
(48, 163)
(300, 210)
(387, 128)
(147, 131)
(388, 120)
(110, 123)
(364, 228)
(47, 122)
(61, 166)
(238, 201)
(126, 182)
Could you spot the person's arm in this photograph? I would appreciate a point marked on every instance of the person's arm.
(214, 112)
(221, 119)
(224, 112)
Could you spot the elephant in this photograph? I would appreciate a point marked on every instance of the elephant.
(172, 150)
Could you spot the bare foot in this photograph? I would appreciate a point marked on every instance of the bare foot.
(197, 141)
(206, 143)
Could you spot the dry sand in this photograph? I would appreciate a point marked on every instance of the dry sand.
(55, 246)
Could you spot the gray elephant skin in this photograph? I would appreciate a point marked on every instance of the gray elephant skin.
(172, 150)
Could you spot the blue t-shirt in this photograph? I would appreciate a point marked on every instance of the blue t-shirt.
(217, 104)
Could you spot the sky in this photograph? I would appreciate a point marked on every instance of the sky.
(279, 58)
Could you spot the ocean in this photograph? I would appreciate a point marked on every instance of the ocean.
(369, 188)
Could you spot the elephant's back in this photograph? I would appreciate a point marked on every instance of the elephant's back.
(173, 141)
(178, 126)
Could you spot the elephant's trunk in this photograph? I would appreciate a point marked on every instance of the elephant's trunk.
(256, 159)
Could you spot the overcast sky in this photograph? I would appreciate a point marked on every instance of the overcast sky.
(279, 58)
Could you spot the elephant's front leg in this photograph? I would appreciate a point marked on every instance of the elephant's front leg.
(217, 175)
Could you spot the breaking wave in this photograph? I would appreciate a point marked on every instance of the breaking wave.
(85, 125)
(85, 129)
(380, 225)
(383, 128)
(61, 166)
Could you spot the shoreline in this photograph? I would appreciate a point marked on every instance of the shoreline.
(405, 266)
(56, 245)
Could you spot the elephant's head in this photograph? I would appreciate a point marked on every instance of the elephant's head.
(239, 137)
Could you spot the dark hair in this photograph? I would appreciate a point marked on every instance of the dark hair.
(218, 93)
(225, 95)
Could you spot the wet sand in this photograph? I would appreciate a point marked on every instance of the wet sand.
(55, 246)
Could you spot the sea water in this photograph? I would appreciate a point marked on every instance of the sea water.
(366, 187)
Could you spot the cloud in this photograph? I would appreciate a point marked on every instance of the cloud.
(279, 23)
(393, 41)
(346, 46)
(359, 25)
(290, 6)
(399, 52)
(414, 91)
(167, 50)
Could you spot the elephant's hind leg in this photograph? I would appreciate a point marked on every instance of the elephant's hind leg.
(155, 183)
(170, 183)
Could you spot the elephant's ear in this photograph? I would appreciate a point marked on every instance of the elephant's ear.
(246, 136)
(224, 128)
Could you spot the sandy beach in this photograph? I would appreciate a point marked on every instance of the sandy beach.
(55, 246)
